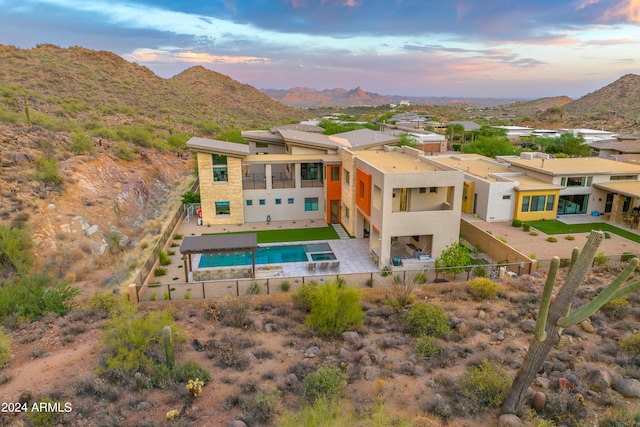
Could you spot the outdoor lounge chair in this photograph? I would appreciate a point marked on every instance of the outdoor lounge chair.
(324, 264)
(335, 264)
(312, 266)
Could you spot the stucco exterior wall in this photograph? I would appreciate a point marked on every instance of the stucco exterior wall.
(284, 211)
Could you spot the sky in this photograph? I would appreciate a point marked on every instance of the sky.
(472, 48)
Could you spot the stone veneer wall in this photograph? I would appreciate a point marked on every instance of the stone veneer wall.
(230, 191)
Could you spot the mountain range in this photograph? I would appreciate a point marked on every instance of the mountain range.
(303, 97)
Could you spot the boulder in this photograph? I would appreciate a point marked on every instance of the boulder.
(236, 423)
(598, 380)
(528, 326)
(351, 337)
(628, 387)
(510, 420)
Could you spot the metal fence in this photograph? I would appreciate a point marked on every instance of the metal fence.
(284, 284)
(147, 267)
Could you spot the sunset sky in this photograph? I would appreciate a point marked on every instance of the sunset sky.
(488, 48)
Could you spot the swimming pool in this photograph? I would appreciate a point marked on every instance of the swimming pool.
(270, 255)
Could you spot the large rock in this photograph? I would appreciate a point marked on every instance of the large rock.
(351, 337)
(509, 420)
(598, 380)
(628, 387)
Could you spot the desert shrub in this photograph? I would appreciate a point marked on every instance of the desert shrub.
(335, 309)
(228, 352)
(607, 235)
(621, 418)
(552, 239)
(328, 382)
(124, 152)
(565, 408)
(44, 418)
(103, 302)
(483, 288)
(533, 233)
(81, 143)
(617, 308)
(165, 378)
(631, 344)
(427, 319)
(304, 296)
(48, 171)
(254, 288)
(526, 227)
(234, 311)
(502, 239)
(419, 278)
(134, 342)
(31, 296)
(487, 383)
(263, 407)
(285, 286)
(319, 413)
(5, 349)
(163, 257)
(516, 223)
(569, 237)
(401, 292)
(601, 259)
(428, 346)
(15, 246)
(159, 272)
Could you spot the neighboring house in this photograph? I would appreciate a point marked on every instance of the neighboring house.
(467, 124)
(406, 205)
(621, 145)
(534, 186)
(516, 133)
(429, 142)
(590, 135)
(493, 191)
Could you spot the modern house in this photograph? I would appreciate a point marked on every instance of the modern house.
(534, 186)
(394, 196)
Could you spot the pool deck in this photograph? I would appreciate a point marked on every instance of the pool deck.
(353, 254)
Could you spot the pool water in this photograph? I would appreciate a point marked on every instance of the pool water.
(269, 255)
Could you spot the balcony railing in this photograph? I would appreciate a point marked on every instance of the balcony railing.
(258, 181)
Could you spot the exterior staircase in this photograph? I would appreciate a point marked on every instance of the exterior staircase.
(341, 231)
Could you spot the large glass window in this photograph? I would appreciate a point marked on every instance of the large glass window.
(537, 203)
(222, 208)
(525, 203)
(575, 181)
(550, 201)
(573, 204)
(310, 203)
(609, 203)
(219, 168)
(310, 171)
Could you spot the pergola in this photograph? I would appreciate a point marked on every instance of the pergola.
(218, 243)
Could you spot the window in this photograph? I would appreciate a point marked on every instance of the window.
(347, 177)
(624, 178)
(550, 200)
(537, 203)
(423, 190)
(222, 208)
(589, 181)
(249, 202)
(525, 204)
(261, 202)
(626, 204)
(278, 201)
(219, 168)
(290, 201)
(346, 212)
(563, 181)
(261, 145)
(335, 173)
(575, 181)
(310, 203)
(506, 197)
(433, 189)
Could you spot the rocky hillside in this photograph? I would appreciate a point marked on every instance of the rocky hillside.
(621, 97)
(92, 150)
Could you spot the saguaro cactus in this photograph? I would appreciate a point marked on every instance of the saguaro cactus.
(168, 345)
(553, 318)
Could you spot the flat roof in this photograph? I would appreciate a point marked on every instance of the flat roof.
(490, 170)
(571, 166)
(215, 146)
(396, 161)
(626, 188)
(216, 243)
(290, 158)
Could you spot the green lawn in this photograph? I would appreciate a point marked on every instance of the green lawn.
(557, 227)
(290, 235)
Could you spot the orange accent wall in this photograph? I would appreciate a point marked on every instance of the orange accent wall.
(363, 190)
(334, 191)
